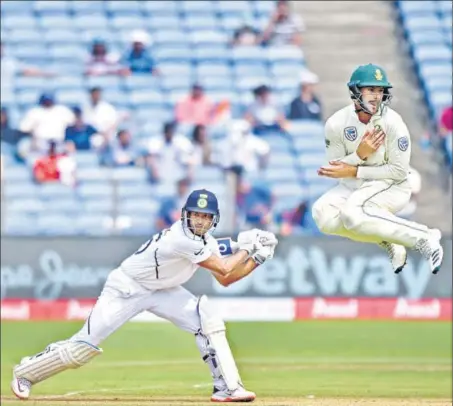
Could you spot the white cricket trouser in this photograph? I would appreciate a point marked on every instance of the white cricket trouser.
(366, 214)
(122, 298)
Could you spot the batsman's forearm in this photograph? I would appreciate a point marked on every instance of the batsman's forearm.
(234, 260)
(239, 272)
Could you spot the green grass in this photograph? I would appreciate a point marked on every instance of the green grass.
(352, 359)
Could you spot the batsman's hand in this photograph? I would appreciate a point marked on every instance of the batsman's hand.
(249, 240)
(264, 254)
(370, 143)
(266, 238)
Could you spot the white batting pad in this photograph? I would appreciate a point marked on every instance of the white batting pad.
(56, 358)
(213, 327)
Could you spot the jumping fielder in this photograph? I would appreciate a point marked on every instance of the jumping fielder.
(368, 148)
(150, 280)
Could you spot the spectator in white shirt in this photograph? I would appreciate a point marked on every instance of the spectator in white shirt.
(264, 113)
(169, 157)
(45, 122)
(101, 62)
(244, 152)
(101, 114)
(284, 28)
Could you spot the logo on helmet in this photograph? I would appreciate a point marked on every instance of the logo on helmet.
(202, 202)
(378, 75)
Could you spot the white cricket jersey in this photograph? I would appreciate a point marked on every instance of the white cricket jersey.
(344, 131)
(169, 258)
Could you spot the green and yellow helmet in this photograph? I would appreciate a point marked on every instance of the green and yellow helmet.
(369, 75)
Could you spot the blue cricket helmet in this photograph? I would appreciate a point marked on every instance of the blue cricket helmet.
(201, 201)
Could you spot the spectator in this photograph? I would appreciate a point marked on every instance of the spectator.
(122, 152)
(45, 122)
(196, 108)
(11, 67)
(201, 153)
(80, 133)
(307, 105)
(100, 114)
(55, 167)
(245, 36)
(255, 204)
(100, 62)
(264, 114)
(445, 132)
(138, 58)
(8, 134)
(244, 152)
(169, 156)
(446, 122)
(297, 221)
(170, 209)
(284, 28)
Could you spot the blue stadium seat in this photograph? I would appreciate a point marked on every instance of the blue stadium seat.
(56, 22)
(62, 36)
(312, 159)
(68, 52)
(20, 225)
(51, 191)
(86, 6)
(90, 191)
(422, 23)
(432, 54)
(288, 174)
(19, 6)
(309, 144)
(25, 206)
(16, 173)
(176, 83)
(248, 55)
(130, 174)
(127, 22)
(95, 224)
(94, 174)
(97, 205)
(87, 159)
(19, 22)
(306, 128)
(141, 81)
(428, 37)
(173, 54)
(157, 22)
(66, 206)
(220, 68)
(251, 69)
(200, 23)
(190, 6)
(20, 190)
(289, 189)
(137, 225)
(71, 97)
(146, 97)
(25, 35)
(137, 189)
(156, 7)
(123, 6)
(138, 206)
(207, 37)
(90, 21)
(176, 70)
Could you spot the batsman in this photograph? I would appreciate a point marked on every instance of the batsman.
(150, 280)
(368, 148)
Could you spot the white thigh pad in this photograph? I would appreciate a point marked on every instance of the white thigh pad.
(56, 358)
(213, 327)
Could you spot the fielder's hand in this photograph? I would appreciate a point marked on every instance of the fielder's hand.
(371, 142)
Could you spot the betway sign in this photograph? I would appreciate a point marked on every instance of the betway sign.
(302, 267)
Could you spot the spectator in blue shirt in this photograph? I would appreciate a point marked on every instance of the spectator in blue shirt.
(80, 133)
(170, 209)
(138, 58)
(306, 106)
(297, 221)
(255, 204)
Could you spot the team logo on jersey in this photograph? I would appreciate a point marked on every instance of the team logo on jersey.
(350, 133)
(403, 143)
(378, 75)
(202, 202)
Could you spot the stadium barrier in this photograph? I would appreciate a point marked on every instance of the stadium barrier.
(253, 309)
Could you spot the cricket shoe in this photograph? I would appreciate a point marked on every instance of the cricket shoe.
(397, 254)
(431, 249)
(21, 387)
(237, 395)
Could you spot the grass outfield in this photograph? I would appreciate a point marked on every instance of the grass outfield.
(316, 363)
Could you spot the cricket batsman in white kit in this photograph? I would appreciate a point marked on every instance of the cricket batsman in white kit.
(368, 148)
(150, 280)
